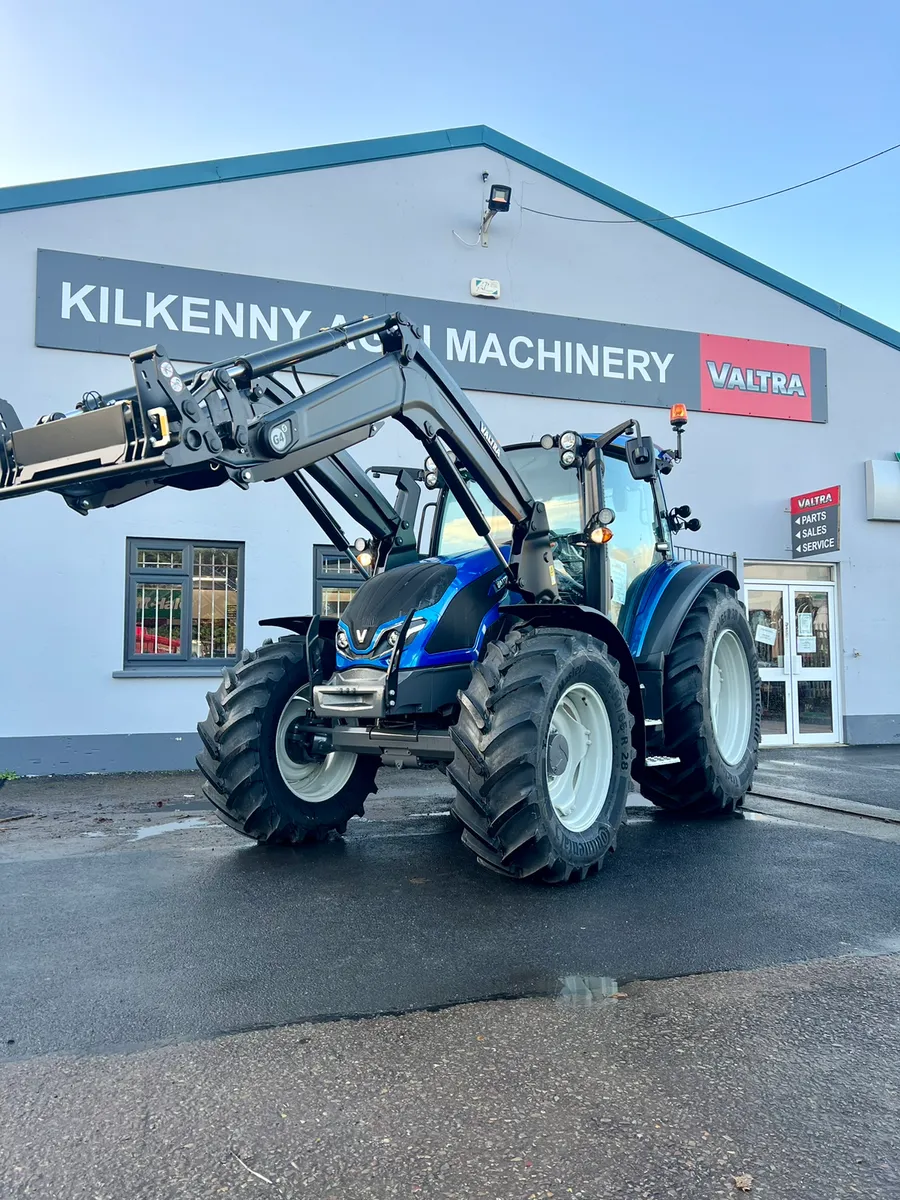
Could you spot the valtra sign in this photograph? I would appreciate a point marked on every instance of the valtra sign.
(816, 523)
(114, 306)
(758, 379)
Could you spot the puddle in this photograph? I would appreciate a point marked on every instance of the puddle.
(582, 991)
(747, 815)
(169, 827)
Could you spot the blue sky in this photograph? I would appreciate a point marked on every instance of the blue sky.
(682, 105)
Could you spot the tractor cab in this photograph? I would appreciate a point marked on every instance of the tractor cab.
(635, 539)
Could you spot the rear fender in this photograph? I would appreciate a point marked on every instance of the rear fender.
(672, 605)
(671, 596)
(593, 622)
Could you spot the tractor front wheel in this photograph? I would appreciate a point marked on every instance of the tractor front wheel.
(711, 710)
(263, 773)
(543, 755)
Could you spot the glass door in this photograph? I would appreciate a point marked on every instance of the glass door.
(813, 667)
(767, 607)
(794, 630)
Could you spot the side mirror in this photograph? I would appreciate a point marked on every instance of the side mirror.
(641, 455)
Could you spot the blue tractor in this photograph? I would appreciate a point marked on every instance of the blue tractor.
(544, 648)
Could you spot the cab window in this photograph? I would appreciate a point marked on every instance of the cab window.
(632, 550)
(545, 479)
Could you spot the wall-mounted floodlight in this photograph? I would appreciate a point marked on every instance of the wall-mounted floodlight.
(500, 198)
(499, 201)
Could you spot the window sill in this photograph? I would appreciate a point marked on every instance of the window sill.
(172, 672)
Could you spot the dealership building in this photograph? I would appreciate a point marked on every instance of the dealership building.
(575, 308)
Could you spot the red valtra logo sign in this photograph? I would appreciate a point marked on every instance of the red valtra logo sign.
(810, 501)
(755, 379)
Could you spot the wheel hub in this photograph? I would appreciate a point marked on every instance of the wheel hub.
(314, 773)
(557, 753)
(304, 745)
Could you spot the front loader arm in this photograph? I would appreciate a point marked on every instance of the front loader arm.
(233, 421)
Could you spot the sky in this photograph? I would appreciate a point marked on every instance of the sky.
(682, 105)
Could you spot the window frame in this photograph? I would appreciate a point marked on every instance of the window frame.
(322, 579)
(181, 663)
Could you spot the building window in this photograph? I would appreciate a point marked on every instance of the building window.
(184, 604)
(335, 581)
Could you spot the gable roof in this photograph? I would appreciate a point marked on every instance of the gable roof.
(256, 166)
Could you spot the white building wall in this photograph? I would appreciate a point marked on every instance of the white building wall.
(388, 226)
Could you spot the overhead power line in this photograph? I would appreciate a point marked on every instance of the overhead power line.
(702, 212)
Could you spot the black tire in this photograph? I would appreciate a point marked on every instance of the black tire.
(500, 743)
(703, 783)
(243, 779)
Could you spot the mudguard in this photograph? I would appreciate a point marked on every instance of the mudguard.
(327, 625)
(593, 622)
(665, 599)
(666, 602)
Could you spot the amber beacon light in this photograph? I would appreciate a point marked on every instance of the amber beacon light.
(678, 416)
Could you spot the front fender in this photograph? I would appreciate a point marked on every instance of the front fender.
(593, 622)
(327, 625)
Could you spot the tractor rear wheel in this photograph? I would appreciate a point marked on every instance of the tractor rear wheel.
(711, 710)
(263, 775)
(543, 755)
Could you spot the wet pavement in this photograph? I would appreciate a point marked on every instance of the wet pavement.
(170, 997)
(123, 928)
(861, 774)
(782, 1080)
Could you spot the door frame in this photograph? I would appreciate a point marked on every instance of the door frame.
(793, 672)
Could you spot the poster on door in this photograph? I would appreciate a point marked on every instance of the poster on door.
(816, 523)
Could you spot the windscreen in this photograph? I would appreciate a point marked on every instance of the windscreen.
(545, 479)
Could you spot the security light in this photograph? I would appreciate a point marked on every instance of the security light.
(500, 197)
(498, 202)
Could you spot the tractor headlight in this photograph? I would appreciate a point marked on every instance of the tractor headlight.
(568, 440)
(567, 458)
(389, 639)
(341, 640)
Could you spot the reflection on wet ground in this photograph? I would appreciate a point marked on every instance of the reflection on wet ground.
(583, 991)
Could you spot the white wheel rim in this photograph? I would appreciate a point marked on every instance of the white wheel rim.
(313, 782)
(730, 697)
(579, 790)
